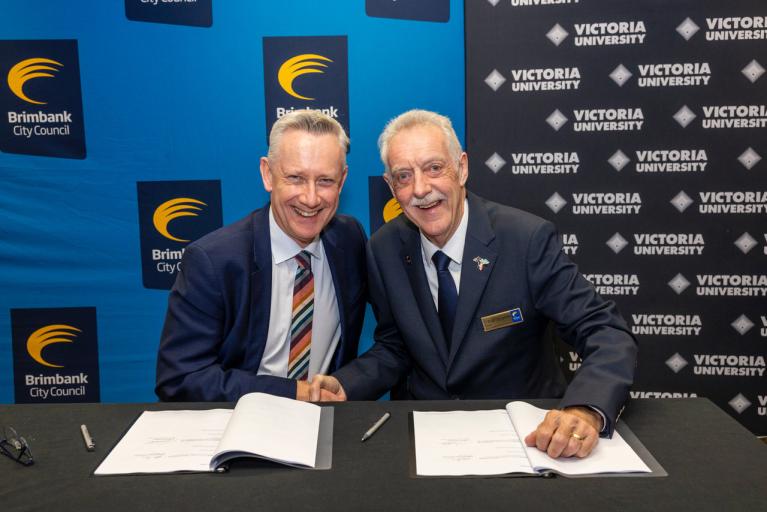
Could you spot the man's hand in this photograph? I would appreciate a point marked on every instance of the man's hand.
(303, 391)
(325, 388)
(573, 431)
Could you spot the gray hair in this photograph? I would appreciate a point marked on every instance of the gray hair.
(310, 121)
(411, 119)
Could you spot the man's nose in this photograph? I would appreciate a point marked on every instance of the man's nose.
(421, 185)
(310, 197)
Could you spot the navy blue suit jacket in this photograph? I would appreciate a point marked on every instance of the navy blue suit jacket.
(526, 269)
(218, 310)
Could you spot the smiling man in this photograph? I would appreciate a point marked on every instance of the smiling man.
(464, 290)
(273, 299)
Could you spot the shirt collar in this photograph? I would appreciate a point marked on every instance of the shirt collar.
(454, 247)
(284, 247)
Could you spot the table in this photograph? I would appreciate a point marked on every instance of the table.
(713, 464)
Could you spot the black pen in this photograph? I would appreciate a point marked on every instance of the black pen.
(89, 444)
(372, 430)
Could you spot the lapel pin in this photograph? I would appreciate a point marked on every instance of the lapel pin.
(408, 260)
(481, 262)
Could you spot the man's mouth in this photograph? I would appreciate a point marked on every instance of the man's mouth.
(429, 206)
(304, 213)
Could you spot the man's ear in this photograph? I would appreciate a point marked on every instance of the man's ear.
(463, 168)
(266, 173)
(344, 174)
(387, 178)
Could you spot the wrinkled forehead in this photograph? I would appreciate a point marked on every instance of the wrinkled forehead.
(418, 145)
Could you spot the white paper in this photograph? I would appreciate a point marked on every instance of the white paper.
(273, 427)
(608, 456)
(260, 425)
(168, 441)
(467, 443)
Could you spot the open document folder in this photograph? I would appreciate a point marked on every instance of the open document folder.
(264, 426)
(462, 443)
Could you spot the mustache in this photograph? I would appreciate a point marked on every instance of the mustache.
(431, 197)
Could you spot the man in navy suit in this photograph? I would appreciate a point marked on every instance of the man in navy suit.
(464, 289)
(266, 303)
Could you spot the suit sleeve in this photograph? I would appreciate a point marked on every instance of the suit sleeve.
(592, 325)
(189, 366)
(380, 368)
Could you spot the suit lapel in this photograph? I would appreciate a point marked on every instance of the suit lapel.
(475, 275)
(335, 263)
(411, 256)
(260, 287)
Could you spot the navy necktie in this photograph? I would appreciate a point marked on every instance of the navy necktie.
(447, 296)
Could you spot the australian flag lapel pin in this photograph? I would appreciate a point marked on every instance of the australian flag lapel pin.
(481, 262)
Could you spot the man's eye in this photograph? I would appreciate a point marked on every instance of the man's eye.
(293, 178)
(403, 177)
(435, 169)
(326, 182)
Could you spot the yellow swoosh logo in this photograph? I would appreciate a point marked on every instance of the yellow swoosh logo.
(297, 66)
(27, 70)
(41, 338)
(391, 210)
(169, 210)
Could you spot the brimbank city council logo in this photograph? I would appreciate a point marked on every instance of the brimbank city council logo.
(173, 209)
(297, 66)
(44, 336)
(29, 69)
(306, 72)
(41, 105)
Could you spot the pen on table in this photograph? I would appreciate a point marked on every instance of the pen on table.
(372, 430)
(89, 444)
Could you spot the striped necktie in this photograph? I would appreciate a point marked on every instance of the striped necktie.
(301, 325)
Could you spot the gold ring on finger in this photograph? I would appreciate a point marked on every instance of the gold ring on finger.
(578, 437)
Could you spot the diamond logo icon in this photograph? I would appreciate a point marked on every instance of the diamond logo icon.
(681, 201)
(619, 160)
(687, 29)
(557, 34)
(684, 116)
(495, 162)
(679, 284)
(495, 79)
(493, 2)
(745, 242)
(556, 202)
(753, 71)
(620, 75)
(740, 403)
(556, 120)
(742, 324)
(676, 362)
(617, 243)
(749, 158)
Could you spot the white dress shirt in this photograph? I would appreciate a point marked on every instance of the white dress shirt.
(454, 250)
(326, 326)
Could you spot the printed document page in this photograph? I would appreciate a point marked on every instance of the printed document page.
(467, 443)
(274, 428)
(168, 441)
(609, 456)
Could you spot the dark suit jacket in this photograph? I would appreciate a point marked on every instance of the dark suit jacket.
(218, 310)
(527, 270)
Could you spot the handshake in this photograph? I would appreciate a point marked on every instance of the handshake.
(321, 388)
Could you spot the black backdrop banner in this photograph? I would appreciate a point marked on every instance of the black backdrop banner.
(638, 127)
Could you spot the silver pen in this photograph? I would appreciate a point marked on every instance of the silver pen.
(89, 444)
(372, 430)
